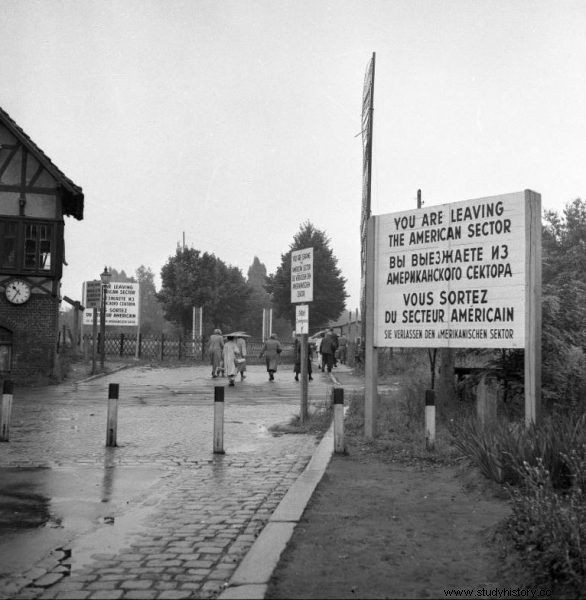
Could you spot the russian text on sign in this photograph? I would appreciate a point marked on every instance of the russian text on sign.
(449, 275)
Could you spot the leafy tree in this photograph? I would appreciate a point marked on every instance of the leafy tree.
(563, 311)
(564, 303)
(329, 287)
(259, 297)
(192, 278)
(151, 311)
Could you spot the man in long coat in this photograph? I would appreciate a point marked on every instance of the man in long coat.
(215, 349)
(328, 348)
(271, 350)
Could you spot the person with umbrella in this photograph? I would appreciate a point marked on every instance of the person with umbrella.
(240, 338)
(271, 350)
(231, 354)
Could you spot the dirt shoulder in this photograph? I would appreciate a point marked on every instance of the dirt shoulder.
(390, 521)
(385, 530)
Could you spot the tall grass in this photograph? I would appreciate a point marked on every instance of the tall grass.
(544, 468)
(501, 450)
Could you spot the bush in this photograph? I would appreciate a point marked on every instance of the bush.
(549, 528)
(544, 467)
(501, 450)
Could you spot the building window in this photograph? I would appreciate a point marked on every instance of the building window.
(37, 246)
(28, 246)
(8, 232)
(5, 350)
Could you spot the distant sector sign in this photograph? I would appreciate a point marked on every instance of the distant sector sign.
(122, 304)
(452, 275)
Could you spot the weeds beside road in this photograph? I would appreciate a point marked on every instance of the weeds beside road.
(392, 519)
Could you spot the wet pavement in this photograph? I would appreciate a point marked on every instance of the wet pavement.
(161, 515)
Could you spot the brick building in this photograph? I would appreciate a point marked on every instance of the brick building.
(34, 197)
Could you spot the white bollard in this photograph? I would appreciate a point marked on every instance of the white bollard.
(112, 419)
(429, 419)
(5, 414)
(219, 419)
(339, 447)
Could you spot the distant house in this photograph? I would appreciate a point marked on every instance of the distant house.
(34, 197)
(349, 323)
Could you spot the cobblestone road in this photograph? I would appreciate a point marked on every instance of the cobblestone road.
(165, 517)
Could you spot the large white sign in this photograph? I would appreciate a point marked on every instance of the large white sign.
(452, 275)
(122, 304)
(302, 275)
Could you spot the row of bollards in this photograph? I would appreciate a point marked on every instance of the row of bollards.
(218, 434)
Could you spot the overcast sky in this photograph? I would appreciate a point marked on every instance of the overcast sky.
(233, 122)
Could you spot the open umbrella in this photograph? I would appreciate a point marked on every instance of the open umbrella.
(241, 334)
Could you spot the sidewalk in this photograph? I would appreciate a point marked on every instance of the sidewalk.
(160, 516)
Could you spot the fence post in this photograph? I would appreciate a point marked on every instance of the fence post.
(5, 414)
(219, 419)
(339, 421)
(162, 346)
(430, 419)
(138, 343)
(112, 419)
(486, 400)
(121, 344)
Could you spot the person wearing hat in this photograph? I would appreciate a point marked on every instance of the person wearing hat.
(215, 348)
(271, 350)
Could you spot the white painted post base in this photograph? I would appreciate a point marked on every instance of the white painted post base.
(429, 419)
(339, 446)
(219, 419)
(112, 418)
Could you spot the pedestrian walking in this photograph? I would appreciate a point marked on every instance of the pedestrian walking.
(231, 354)
(271, 350)
(343, 349)
(320, 362)
(297, 355)
(215, 348)
(328, 349)
(241, 360)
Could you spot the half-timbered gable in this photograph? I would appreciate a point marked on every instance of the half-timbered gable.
(34, 198)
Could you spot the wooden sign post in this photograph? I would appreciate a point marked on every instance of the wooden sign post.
(459, 275)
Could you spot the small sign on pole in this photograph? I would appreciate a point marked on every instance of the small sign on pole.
(302, 319)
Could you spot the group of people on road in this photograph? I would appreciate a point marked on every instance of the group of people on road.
(228, 354)
(228, 358)
(332, 349)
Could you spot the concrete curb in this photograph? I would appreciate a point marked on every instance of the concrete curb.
(103, 374)
(251, 578)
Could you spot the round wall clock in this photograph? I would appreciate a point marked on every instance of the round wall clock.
(18, 291)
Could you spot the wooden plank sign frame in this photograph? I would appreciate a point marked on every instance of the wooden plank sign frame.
(465, 274)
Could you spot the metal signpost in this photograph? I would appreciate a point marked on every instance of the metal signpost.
(302, 292)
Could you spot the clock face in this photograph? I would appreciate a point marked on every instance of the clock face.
(18, 291)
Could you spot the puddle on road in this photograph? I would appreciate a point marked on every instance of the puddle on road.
(43, 508)
(110, 539)
(22, 510)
